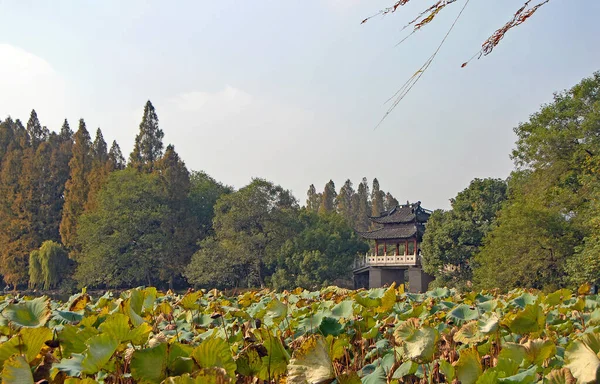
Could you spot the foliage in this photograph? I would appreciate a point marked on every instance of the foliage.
(148, 147)
(328, 198)
(453, 237)
(377, 336)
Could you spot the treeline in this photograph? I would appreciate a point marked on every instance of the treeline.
(74, 212)
(540, 228)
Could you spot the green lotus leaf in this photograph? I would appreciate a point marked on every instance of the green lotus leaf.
(488, 306)
(367, 301)
(490, 376)
(150, 365)
(536, 351)
(513, 351)
(529, 320)
(276, 311)
(438, 293)
(30, 314)
(524, 300)
(274, 364)
(116, 325)
(468, 334)
(63, 317)
(447, 370)
(388, 299)
(71, 366)
(342, 310)
(557, 297)
(8, 349)
(75, 380)
(16, 371)
(378, 376)
(189, 300)
(249, 362)
(349, 378)
(418, 343)
(488, 324)
(582, 359)
(462, 313)
(33, 341)
(311, 362)
(337, 346)
(73, 340)
(527, 376)
(215, 352)
(330, 326)
(468, 367)
(311, 323)
(100, 349)
(407, 368)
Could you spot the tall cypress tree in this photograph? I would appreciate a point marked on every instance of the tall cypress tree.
(101, 167)
(313, 199)
(148, 147)
(76, 188)
(37, 133)
(344, 202)
(362, 206)
(389, 202)
(115, 156)
(328, 199)
(377, 197)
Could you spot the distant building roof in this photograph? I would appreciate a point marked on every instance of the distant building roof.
(406, 231)
(407, 213)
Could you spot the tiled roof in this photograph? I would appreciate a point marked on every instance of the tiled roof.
(403, 214)
(405, 231)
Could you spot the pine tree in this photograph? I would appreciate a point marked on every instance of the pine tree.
(377, 197)
(115, 156)
(328, 199)
(37, 133)
(313, 199)
(344, 202)
(76, 188)
(362, 206)
(148, 145)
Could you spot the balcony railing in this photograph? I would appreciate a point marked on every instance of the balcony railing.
(385, 260)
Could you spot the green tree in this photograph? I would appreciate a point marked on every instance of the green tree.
(36, 277)
(148, 147)
(54, 263)
(362, 206)
(124, 236)
(100, 168)
(37, 133)
(389, 202)
(344, 202)
(453, 237)
(377, 199)
(313, 199)
(250, 226)
(115, 157)
(203, 195)
(77, 187)
(328, 198)
(320, 255)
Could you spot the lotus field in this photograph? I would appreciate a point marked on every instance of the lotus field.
(334, 335)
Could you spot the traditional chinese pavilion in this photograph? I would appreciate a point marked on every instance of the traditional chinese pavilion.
(396, 254)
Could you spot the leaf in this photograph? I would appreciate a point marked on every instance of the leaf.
(72, 366)
(337, 346)
(330, 326)
(311, 362)
(560, 376)
(30, 314)
(189, 300)
(275, 363)
(418, 343)
(342, 310)
(407, 368)
(447, 370)
(527, 376)
(583, 361)
(150, 365)
(462, 313)
(16, 371)
(33, 341)
(469, 334)
(100, 349)
(468, 367)
(529, 320)
(489, 324)
(215, 352)
(249, 362)
(276, 311)
(536, 351)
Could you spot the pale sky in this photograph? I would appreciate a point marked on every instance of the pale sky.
(291, 90)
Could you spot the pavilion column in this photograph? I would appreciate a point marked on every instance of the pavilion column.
(406, 247)
(385, 248)
(415, 249)
(376, 248)
(397, 249)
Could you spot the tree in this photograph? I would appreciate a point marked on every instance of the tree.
(453, 237)
(115, 157)
(37, 133)
(100, 168)
(361, 206)
(203, 195)
(313, 200)
(320, 255)
(250, 226)
(389, 202)
(377, 197)
(54, 264)
(122, 240)
(148, 147)
(328, 198)
(76, 188)
(344, 202)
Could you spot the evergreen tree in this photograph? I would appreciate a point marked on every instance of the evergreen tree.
(148, 147)
(37, 133)
(76, 188)
(377, 197)
(362, 207)
(115, 157)
(344, 202)
(328, 199)
(101, 167)
(313, 199)
(36, 277)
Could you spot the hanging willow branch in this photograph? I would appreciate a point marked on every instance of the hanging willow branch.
(425, 17)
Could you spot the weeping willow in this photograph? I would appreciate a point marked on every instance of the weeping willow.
(54, 263)
(35, 270)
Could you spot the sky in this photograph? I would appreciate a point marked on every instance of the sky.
(291, 91)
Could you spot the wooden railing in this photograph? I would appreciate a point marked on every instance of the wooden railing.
(385, 260)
